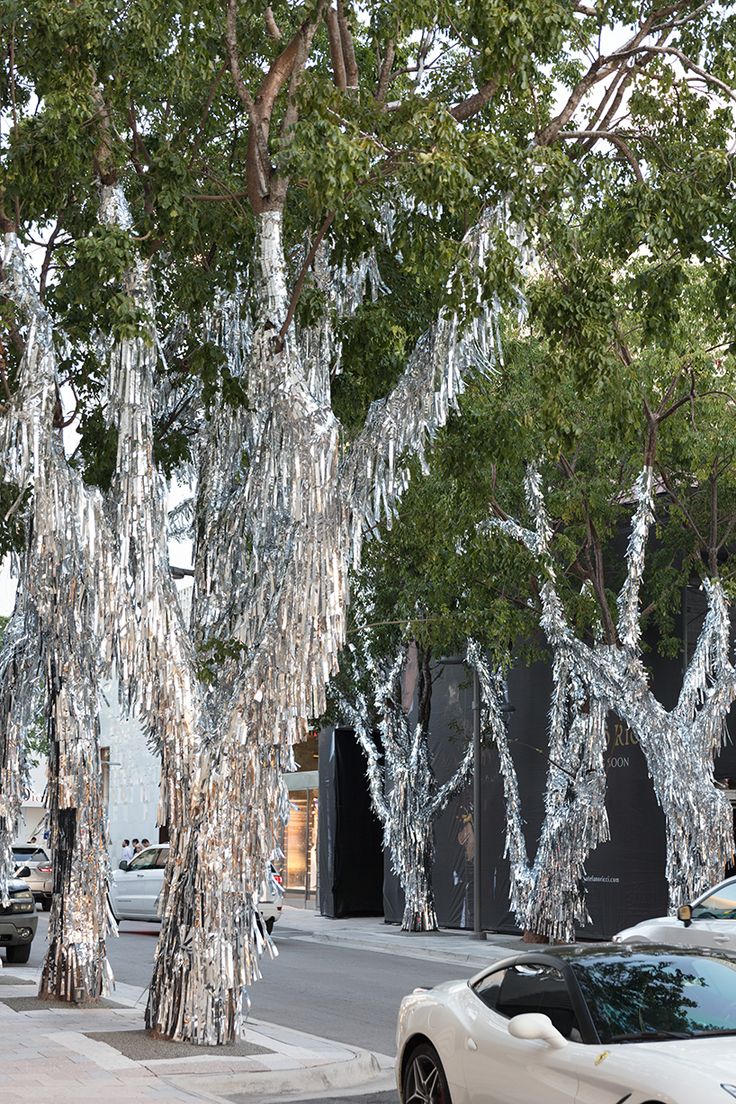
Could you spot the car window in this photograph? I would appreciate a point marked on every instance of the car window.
(647, 995)
(146, 860)
(488, 987)
(538, 988)
(720, 905)
(162, 858)
(23, 854)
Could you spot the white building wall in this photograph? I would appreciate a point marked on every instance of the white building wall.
(134, 775)
(134, 769)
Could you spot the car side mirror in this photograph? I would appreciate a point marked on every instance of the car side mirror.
(685, 913)
(535, 1025)
(123, 864)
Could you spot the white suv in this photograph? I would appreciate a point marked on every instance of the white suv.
(136, 886)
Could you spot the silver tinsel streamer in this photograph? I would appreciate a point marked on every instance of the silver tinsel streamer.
(414, 801)
(680, 745)
(547, 896)
(64, 596)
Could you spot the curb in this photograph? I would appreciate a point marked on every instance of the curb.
(362, 1069)
(449, 956)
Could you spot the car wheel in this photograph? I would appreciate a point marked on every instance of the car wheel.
(18, 954)
(424, 1080)
(269, 924)
(46, 904)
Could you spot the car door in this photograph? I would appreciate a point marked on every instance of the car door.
(138, 887)
(713, 919)
(500, 1069)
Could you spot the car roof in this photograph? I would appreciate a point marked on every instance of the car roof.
(588, 953)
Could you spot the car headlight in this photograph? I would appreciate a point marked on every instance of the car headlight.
(22, 902)
(730, 1089)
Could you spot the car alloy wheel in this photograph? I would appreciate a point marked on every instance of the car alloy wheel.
(424, 1080)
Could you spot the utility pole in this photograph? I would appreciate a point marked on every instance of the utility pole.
(478, 932)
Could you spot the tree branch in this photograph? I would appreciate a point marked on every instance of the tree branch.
(299, 283)
(348, 47)
(384, 75)
(609, 136)
(336, 55)
(475, 103)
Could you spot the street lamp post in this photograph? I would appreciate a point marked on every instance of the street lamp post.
(478, 932)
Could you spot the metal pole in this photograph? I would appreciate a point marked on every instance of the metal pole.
(478, 932)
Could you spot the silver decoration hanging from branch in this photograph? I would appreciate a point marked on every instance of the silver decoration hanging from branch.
(405, 794)
(680, 745)
(547, 895)
(65, 594)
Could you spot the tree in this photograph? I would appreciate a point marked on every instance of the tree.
(229, 153)
(410, 807)
(681, 744)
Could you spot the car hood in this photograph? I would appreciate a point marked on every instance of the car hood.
(706, 1058)
(15, 885)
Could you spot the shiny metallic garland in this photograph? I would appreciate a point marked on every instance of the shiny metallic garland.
(414, 800)
(547, 896)
(680, 745)
(64, 596)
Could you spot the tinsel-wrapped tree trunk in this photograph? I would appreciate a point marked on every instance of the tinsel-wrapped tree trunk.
(548, 894)
(681, 744)
(66, 595)
(405, 794)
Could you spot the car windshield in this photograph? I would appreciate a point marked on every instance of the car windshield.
(651, 996)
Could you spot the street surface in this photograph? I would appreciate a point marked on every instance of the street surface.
(337, 992)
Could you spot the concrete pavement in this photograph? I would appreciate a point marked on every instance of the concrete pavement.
(71, 1054)
(343, 978)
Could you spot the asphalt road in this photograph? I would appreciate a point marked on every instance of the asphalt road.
(337, 992)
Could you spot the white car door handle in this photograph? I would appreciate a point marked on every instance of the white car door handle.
(721, 939)
(139, 875)
(471, 1044)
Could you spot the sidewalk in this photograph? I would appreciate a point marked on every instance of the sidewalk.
(372, 933)
(70, 1055)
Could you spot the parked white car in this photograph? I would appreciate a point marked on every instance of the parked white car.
(136, 887)
(710, 921)
(595, 1024)
(33, 865)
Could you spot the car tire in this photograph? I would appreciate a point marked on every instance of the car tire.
(270, 923)
(18, 954)
(46, 904)
(423, 1079)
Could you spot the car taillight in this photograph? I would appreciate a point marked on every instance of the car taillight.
(278, 879)
(45, 869)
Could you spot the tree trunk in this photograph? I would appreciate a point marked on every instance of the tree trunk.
(416, 863)
(75, 968)
(210, 941)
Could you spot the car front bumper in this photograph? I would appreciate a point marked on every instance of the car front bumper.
(17, 929)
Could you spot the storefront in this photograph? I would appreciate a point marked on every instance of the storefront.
(300, 839)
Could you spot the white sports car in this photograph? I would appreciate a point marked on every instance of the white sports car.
(710, 921)
(595, 1024)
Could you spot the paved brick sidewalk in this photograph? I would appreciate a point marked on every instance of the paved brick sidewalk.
(48, 1053)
